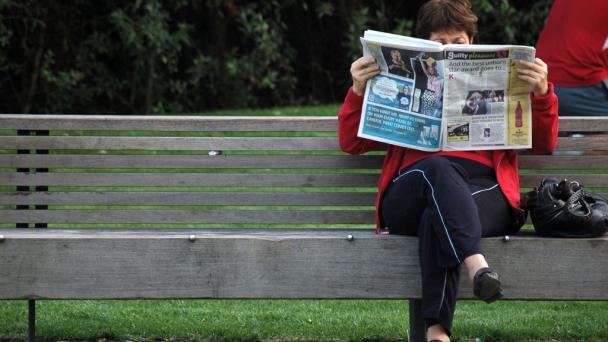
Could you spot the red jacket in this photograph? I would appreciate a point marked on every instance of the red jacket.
(573, 42)
(544, 140)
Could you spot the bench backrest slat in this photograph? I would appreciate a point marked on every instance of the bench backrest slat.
(191, 180)
(188, 198)
(126, 217)
(563, 162)
(171, 143)
(167, 123)
(219, 123)
(191, 161)
(586, 143)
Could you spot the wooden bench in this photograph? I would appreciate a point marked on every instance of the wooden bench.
(170, 207)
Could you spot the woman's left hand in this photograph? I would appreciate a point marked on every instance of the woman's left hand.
(535, 73)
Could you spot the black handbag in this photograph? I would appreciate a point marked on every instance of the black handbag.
(566, 209)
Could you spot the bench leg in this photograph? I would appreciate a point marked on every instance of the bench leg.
(417, 333)
(31, 325)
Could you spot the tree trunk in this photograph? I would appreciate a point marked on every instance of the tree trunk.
(33, 81)
(150, 82)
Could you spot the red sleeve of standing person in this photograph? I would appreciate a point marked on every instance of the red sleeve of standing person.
(573, 42)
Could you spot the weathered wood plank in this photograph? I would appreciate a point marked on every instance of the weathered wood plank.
(228, 179)
(219, 123)
(225, 143)
(187, 198)
(583, 124)
(588, 180)
(562, 162)
(73, 216)
(191, 161)
(262, 161)
(189, 179)
(84, 264)
(168, 123)
(172, 143)
(580, 144)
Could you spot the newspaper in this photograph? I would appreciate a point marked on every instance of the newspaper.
(432, 97)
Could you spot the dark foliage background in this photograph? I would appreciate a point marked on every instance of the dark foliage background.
(138, 56)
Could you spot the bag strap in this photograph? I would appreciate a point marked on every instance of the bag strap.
(578, 197)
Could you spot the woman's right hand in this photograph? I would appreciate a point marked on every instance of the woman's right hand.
(361, 71)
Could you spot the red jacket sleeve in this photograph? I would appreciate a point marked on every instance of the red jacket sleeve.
(544, 122)
(348, 126)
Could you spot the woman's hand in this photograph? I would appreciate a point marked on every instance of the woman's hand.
(535, 73)
(361, 71)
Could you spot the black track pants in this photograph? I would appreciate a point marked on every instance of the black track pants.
(450, 203)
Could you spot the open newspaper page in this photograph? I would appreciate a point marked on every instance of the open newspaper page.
(485, 105)
(403, 104)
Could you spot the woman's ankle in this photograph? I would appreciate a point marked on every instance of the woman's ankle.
(474, 263)
(437, 333)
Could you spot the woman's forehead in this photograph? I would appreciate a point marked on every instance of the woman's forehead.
(449, 36)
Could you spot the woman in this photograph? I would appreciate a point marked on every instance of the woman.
(398, 65)
(433, 81)
(431, 95)
(450, 199)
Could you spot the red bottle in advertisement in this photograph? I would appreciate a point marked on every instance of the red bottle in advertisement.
(519, 118)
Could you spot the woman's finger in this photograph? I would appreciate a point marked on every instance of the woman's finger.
(362, 62)
(367, 75)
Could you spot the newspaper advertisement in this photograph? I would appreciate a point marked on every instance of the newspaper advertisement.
(435, 97)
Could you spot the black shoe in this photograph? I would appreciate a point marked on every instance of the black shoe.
(486, 285)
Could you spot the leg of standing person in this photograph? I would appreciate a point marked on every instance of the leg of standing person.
(583, 101)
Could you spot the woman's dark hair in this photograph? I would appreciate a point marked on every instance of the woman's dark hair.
(446, 15)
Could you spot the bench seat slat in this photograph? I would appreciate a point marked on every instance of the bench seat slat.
(89, 264)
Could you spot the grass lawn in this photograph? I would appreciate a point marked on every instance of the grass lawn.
(296, 320)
